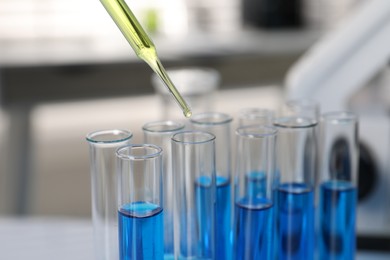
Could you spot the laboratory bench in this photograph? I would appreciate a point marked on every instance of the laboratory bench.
(69, 238)
(35, 72)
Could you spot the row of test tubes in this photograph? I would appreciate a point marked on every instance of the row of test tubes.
(292, 193)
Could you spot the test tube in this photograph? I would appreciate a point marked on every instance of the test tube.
(296, 157)
(195, 194)
(140, 205)
(303, 107)
(306, 108)
(102, 147)
(255, 180)
(196, 84)
(219, 124)
(160, 133)
(338, 189)
(255, 116)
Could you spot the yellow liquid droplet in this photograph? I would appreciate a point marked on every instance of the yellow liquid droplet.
(187, 113)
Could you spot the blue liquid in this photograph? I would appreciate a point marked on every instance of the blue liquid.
(337, 220)
(197, 230)
(253, 229)
(168, 235)
(295, 222)
(223, 229)
(141, 231)
(256, 185)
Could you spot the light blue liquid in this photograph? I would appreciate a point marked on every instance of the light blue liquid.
(168, 235)
(256, 184)
(337, 220)
(141, 234)
(295, 222)
(253, 229)
(223, 226)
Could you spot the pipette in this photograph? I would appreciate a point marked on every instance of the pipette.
(142, 45)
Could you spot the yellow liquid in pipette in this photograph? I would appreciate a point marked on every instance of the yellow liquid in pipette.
(141, 44)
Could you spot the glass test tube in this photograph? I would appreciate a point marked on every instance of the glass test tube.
(160, 133)
(196, 84)
(193, 158)
(219, 124)
(255, 116)
(296, 157)
(102, 147)
(140, 205)
(306, 108)
(254, 184)
(338, 189)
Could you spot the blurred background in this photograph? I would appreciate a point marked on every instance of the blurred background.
(66, 70)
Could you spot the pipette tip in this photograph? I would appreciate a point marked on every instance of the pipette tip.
(187, 113)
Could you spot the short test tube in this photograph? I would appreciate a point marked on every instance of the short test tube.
(140, 202)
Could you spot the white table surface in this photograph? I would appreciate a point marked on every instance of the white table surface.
(45, 238)
(61, 238)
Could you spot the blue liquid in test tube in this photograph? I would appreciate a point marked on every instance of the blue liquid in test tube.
(141, 231)
(253, 228)
(337, 220)
(204, 209)
(295, 222)
(222, 213)
(253, 198)
(223, 217)
(219, 125)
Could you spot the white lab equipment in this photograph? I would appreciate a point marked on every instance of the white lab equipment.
(332, 72)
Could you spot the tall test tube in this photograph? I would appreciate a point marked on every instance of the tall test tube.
(102, 147)
(160, 133)
(338, 189)
(255, 116)
(306, 108)
(255, 180)
(140, 212)
(196, 84)
(195, 194)
(219, 124)
(296, 157)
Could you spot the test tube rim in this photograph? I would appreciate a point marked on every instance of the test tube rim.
(301, 122)
(91, 137)
(272, 131)
(196, 119)
(304, 102)
(339, 117)
(177, 126)
(211, 137)
(156, 154)
(211, 83)
(259, 113)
